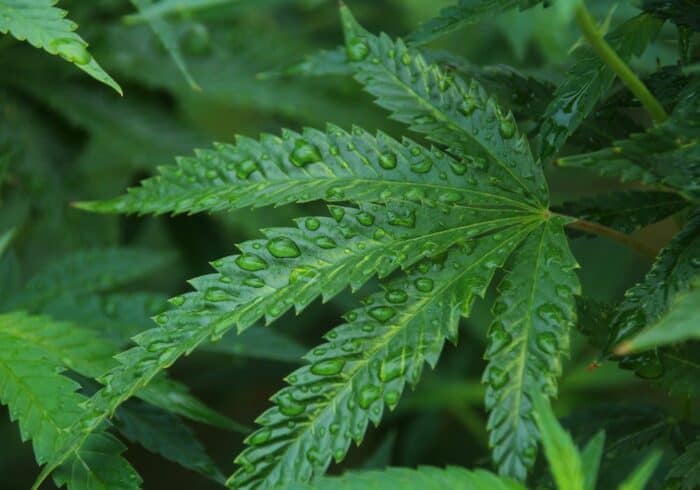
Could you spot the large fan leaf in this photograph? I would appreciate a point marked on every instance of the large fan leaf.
(527, 341)
(366, 364)
(45, 26)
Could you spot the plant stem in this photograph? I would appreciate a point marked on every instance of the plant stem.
(601, 230)
(617, 65)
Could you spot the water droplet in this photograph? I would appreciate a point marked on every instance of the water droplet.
(498, 339)
(254, 282)
(337, 213)
(325, 242)
(387, 160)
(259, 437)
(302, 273)
(328, 367)
(550, 313)
(161, 319)
(367, 396)
(71, 50)
(406, 59)
(338, 455)
(423, 120)
(396, 296)
(467, 106)
(245, 168)
(178, 300)
(392, 398)
(497, 377)
(357, 49)
(563, 292)
(408, 221)
(334, 428)
(283, 248)
(216, 294)
(364, 218)
(507, 128)
(251, 262)
(480, 163)
(424, 284)
(450, 197)
(248, 467)
(547, 341)
(304, 153)
(288, 406)
(382, 313)
(312, 224)
(313, 455)
(422, 167)
(391, 369)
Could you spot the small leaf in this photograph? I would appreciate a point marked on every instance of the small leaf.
(641, 476)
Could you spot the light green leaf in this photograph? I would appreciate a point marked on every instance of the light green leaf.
(590, 460)
(562, 454)
(641, 475)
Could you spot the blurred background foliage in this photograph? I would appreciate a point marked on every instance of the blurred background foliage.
(239, 69)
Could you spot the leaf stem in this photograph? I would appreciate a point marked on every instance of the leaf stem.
(595, 38)
(601, 230)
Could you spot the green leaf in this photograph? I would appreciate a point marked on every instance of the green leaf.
(332, 166)
(528, 340)
(562, 454)
(366, 364)
(464, 13)
(46, 404)
(671, 274)
(681, 323)
(640, 477)
(588, 81)
(448, 110)
(87, 271)
(625, 211)
(686, 468)
(45, 26)
(590, 460)
(681, 12)
(291, 267)
(423, 478)
(84, 352)
(668, 153)
(258, 343)
(162, 29)
(163, 433)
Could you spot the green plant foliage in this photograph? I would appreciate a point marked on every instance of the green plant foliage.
(422, 216)
(44, 26)
(588, 81)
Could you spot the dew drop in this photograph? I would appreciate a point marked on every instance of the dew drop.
(467, 106)
(251, 262)
(283, 248)
(387, 160)
(302, 273)
(422, 167)
(450, 197)
(328, 367)
(254, 282)
(406, 59)
(382, 313)
(368, 395)
(498, 339)
(288, 406)
(497, 377)
(312, 224)
(178, 300)
(547, 341)
(364, 218)
(216, 294)
(260, 437)
(338, 455)
(391, 370)
(392, 398)
(304, 153)
(423, 284)
(325, 242)
(245, 168)
(337, 213)
(357, 49)
(71, 50)
(396, 296)
(507, 128)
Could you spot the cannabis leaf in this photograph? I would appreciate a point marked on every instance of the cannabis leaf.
(667, 154)
(685, 468)
(423, 478)
(44, 26)
(46, 404)
(465, 12)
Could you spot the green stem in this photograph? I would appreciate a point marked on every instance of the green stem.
(617, 65)
(601, 230)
